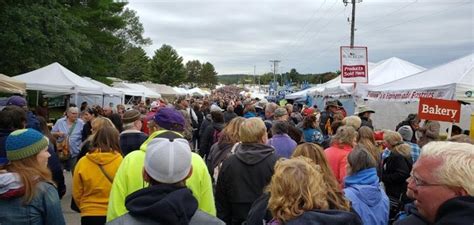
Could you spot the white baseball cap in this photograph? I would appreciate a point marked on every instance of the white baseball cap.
(168, 160)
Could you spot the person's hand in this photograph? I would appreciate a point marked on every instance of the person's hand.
(60, 134)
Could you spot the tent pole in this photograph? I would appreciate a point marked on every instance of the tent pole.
(37, 97)
(75, 100)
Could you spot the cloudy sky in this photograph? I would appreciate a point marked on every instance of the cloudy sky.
(236, 35)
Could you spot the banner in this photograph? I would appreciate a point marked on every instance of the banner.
(354, 68)
(439, 110)
(410, 95)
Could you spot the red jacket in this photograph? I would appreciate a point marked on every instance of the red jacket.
(337, 160)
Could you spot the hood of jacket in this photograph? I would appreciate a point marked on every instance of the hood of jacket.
(365, 186)
(218, 126)
(103, 158)
(253, 153)
(163, 203)
(322, 217)
(10, 185)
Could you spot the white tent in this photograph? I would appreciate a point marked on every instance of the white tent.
(147, 93)
(162, 89)
(181, 91)
(379, 73)
(110, 95)
(197, 91)
(453, 80)
(56, 79)
(301, 95)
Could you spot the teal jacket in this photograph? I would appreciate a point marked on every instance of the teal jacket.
(129, 179)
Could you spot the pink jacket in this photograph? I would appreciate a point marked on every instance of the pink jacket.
(337, 160)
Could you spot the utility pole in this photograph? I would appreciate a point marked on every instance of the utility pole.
(352, 20)
(275, 65)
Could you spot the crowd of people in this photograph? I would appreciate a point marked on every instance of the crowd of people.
(231, 159)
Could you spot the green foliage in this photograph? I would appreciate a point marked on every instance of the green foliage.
(90, 37)
(34, 34)
(193, 70)
(208, 75)
(167, 67)
(135, 67)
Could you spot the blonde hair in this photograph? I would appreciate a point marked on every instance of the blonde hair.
(230, 133)
(252, 130)
(31, 173)
(315, 153)
(457, 167)
(366, 138)
(296, 186)
(100, 122)
(353, 121)
(345, 135)
(396, 143)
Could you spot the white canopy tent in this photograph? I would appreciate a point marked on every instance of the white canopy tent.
(301, 95)
(147, 93)
(164, 90)
(452, 80)
(379, 73)
(56, 79)
(110, 95)
(180, 91)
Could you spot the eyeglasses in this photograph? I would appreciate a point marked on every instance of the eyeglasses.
(420, 183)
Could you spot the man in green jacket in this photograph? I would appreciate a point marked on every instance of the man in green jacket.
(128, 178)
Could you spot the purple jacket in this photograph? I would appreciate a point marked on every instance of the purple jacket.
(283, 144)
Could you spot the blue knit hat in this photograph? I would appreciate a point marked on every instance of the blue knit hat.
(24, 143)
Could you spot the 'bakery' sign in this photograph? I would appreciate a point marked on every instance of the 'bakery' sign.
(439, 110)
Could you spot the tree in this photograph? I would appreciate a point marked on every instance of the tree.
(193, 69)
(36, 33)
(208, 75)
(135, 66)
(167, 67)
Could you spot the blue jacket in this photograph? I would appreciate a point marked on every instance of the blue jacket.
(367, 197)
(44, 208)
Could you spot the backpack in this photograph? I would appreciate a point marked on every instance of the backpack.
(215, 173)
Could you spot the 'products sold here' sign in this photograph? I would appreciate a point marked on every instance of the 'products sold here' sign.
(354, 65)
(439, 110)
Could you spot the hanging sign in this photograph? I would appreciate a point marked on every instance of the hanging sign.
(354, 68)
(439, 110)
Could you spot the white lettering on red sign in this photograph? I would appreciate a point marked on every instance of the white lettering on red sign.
(436, 110)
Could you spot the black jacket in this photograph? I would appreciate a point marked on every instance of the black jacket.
(456, 211)
(366, 122)
(163, 204)
(413, 218)
(242, 179)
(395, 171)
(228, 116)
(207, 138)
(218, 153)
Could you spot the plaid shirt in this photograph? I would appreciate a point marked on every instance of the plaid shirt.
(131, 141)
(415, 152)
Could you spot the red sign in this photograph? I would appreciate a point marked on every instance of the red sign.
(439, 110)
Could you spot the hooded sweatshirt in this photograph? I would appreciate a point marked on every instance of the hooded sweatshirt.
(456, 211)
(129, 179)
(367, 197)
(91, 186)
(242, 178)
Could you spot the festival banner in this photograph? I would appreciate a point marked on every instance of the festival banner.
(354, 65)
(410, 95)
(439, 110)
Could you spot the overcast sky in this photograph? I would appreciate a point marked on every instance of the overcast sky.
(236, 35)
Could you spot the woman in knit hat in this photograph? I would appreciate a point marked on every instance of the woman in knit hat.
(27, 193)
(94, 174)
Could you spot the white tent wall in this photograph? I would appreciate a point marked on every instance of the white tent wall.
(388, 114)
(90, 99)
